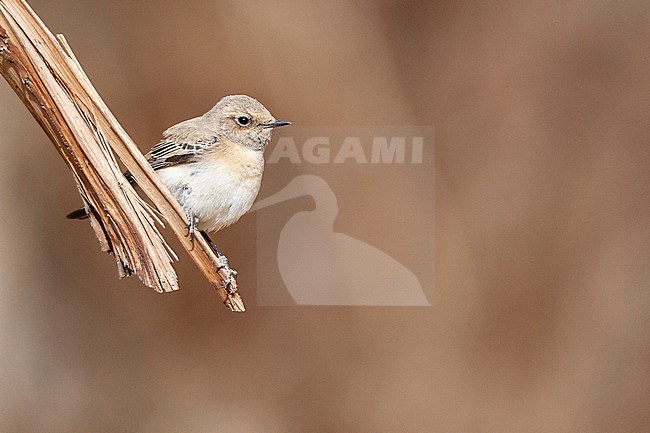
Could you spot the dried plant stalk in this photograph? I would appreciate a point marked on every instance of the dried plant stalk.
(50, 81)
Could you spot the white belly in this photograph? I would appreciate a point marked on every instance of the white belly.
(211, 191)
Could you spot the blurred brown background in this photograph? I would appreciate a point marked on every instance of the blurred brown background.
(540, 313)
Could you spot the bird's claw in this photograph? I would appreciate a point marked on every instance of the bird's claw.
(231, 274)
(222, 263)
(192, 225)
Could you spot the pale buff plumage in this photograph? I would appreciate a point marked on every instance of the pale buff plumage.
(219, 187)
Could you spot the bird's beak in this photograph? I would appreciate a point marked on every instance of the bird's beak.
(276, 124)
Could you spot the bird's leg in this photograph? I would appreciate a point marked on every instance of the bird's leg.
(192, 219)
(192, 224)
(231, 273)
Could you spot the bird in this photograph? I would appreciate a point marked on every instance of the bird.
(213, 164)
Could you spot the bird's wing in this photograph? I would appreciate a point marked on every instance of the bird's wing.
(181, 144)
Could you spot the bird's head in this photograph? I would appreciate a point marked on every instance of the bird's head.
(245, 121)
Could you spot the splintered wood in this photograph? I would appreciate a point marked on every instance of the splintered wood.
(49, 80)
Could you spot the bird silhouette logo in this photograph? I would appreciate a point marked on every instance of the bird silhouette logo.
(322, 267)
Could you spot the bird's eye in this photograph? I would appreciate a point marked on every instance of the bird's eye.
(243, 120)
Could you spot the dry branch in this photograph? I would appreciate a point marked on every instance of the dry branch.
(46, 76)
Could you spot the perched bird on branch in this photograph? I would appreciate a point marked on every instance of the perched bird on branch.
(213, 164)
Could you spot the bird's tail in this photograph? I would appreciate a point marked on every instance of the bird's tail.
(79, 214)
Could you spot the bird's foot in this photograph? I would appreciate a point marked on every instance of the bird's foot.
(231, 274)
(192, 225)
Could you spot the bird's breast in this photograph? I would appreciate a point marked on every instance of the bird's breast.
(218, 190)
